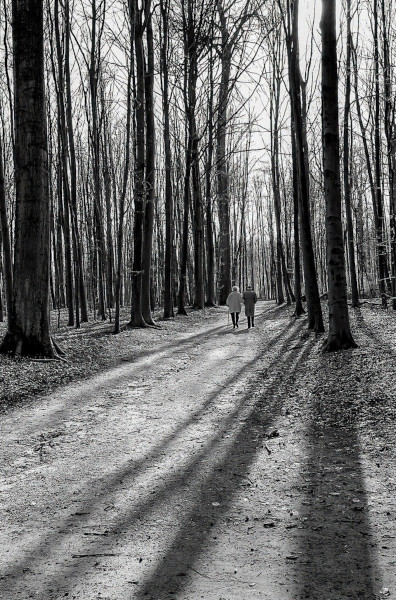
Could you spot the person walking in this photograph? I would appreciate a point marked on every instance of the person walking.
(234, 303)
(249, 298)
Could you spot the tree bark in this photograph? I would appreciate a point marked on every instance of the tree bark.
(315, 318)
(210, 247)
(169, 227)
(299, 310)
(79, 279)
(347, 181)
(274, 110)
(380, 224)
(150, 171)
(29, 329)
(95, 148)
(222, 162)
(5, 240)
(339, 330)
(137, 319)
(389, 126)
(125, 178)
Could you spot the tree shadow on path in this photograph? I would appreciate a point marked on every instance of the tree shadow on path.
(368, 331)
(335, 554)
(192, 535)
(103, 489)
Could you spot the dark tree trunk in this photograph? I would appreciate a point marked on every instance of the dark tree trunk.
(275, 177)
(95, 149)
(389, 126)
(299, 310)
(29, 328)
(199, 286)
(64, 200)
(169, 227)
(121, 214)
(210, 247)
(137, 319)
(314, 309)
(79, 285)
(380, 223)
(107, 184)
(222, 165)
(150, 171)
(347, 182)
(184, 247)
(64, 189)
(339, 331)
(190, 82)
(5, 240)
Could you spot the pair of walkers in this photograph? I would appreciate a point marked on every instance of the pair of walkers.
(235, 301)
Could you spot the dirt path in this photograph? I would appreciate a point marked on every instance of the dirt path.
(220, 465)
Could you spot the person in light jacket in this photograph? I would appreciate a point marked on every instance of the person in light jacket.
(234, 303)
(250, 299)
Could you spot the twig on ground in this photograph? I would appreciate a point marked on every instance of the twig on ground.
(94, 555)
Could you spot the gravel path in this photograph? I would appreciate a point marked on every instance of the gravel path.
(207, 467)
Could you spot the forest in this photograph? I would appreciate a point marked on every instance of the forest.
(154, 156)
(177, 149)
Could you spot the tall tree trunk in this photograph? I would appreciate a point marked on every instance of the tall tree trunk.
(64, 188)
(275, 174)
(199, 285)
(150, 171)
(125, 178)
(79, 285)
(169, 227)
(222, 162)
(107, 184)
(210, 248)
(94, 71)
(299, 310)
(389, 126)
(339, 331)
(137, 319)
(393, 219)
(29, 329)
(190, 80)
(5, 240)
(363, 132)
(315, 318)
(347, 181)
(380, 223)
(64, 210)
(184, 245)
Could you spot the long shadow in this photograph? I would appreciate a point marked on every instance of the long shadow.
(117, 375)
(335, 552)
(99, 329)
(367, 330)
(192, 536)
(104, 488)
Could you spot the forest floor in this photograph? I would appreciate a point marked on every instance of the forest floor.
(197, 462)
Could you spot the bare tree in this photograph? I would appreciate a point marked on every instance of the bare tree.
(339, 331)
(29, 326)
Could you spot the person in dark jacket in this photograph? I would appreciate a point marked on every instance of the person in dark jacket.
(250, 299)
